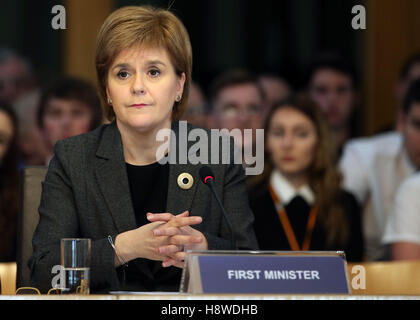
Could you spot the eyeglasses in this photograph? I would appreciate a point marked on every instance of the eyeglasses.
(231, 111)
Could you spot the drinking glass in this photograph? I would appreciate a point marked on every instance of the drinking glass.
(75, 260)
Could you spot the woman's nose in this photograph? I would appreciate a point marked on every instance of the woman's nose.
(287, 141)
(138, 87)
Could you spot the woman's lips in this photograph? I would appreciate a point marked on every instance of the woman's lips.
(140, 105)
(288, 159)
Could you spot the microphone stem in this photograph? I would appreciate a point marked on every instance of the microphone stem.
(232, 239)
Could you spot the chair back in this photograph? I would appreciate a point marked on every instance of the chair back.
(28, 220)
(8, 277)
(385, 278)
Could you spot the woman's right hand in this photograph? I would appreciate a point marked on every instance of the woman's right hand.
(142, 243)
(139, 243)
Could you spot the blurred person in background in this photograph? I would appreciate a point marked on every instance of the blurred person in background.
(9, 183)
(275, 89)
(374, 167)
(16, 78)
(332, 84)
(237, 101)
(18, 87)
(196, 112)
(410, 71)
(298, 202)
(402, 231)
(69, 106)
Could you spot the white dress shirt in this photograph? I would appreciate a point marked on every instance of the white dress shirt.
(286, 191)
(404, 222)
(373, 169)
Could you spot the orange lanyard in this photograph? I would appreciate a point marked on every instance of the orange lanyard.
(288, 228)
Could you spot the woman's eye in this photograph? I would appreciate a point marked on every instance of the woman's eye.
(154, 72)
(123, 75)
(277, 133)
(302, 134)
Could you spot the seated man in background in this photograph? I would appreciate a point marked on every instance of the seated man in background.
(196, 112)
(403, 228)
(67, 107)
(332, 85)
(410, 71)
(374, 168)
(237, 101)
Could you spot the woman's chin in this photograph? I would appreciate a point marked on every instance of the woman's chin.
(289, 169)
(143, 123)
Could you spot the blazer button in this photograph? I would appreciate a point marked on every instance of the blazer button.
(185, 181)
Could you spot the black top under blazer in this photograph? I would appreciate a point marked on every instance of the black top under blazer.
(86, 194)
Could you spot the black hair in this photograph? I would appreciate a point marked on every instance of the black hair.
(71, 88)
(335, 62)
(408, 64)
(233, 78)
(412, 96)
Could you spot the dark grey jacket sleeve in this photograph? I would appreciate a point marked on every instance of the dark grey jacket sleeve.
(59, 218)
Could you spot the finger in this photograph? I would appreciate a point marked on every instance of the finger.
(173, 262)
(166, 231)
(185, 240)
(166, 216)
(159, 216)
(170, 250)
(185, 221)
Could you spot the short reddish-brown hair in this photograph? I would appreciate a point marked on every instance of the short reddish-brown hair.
(149, 27)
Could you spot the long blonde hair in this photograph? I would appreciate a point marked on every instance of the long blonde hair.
(324, 177)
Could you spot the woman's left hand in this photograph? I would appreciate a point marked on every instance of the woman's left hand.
(181, 237)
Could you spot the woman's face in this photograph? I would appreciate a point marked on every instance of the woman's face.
(143, 86)
(6, 133)
(291, 141)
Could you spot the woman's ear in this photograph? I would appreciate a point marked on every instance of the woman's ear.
(181, 83)
(108, 96)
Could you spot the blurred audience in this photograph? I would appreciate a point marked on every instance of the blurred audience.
(332, 84)
(9, 183)
(196, 111)
(298, 203)
(16, 78)
(275, 89)
(237, 101)
(410, 71)
(18, 87)
(403, 228)
(374, 167)
(68, 107)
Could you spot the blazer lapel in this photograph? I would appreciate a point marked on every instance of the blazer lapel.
(179, 199)
(112, 179)
(111, 174)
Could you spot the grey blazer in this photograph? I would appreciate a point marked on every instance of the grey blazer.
(86, 194)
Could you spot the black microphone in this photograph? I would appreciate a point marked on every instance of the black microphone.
(206, 175)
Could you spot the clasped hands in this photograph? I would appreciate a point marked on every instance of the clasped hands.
(165, 238)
